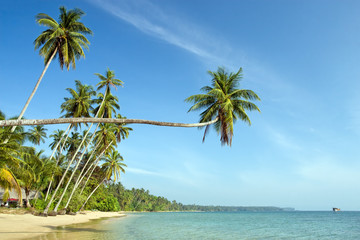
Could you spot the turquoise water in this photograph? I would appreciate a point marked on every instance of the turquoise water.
(243, 225)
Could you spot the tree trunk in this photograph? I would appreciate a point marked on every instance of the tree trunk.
(91, 194)
(94, 166)
(57, 145)
(22, 122)
(27, 192)
(76, 167)
(34, 90)
(36, 196)
(62, 179)
(77, 150)
(80, 178)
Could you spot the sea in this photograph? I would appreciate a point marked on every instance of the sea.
(216, 225)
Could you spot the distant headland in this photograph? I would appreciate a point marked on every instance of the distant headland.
(235, 208)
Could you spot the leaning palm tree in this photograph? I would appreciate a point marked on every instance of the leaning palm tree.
(105, 139)
(107, 105)
(112, 167)
(225, 101)
(78, 105)
(37, 134)
(64, 39)
(224, 105)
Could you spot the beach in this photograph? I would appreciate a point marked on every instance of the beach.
(27, 226)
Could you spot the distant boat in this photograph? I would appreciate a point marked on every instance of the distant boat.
(336, 209)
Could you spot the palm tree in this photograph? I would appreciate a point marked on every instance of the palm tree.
(64, 39)
(29, 171)
(94, 163)
(105, 140)
(37, 134)
(57, 137)
(224, 104)
(223, 100)
(9, 152)
(122, 131)
(73, 144)
(106, 135)
(108, 105)
(112, 167)
(108, 81)
(80, 102)
(79, 105)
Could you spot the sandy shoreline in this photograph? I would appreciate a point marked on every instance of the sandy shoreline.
(28, 226)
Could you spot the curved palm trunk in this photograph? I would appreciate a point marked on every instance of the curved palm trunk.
(92, 194)
(57, 145)
(62, 179)
(93, 166)
(77, 150)
(81, 176)
(34, 90)
(27, 122)
(76, 167)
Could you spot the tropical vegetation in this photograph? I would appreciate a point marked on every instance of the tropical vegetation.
(84, 168)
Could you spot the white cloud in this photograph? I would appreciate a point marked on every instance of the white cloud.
(151, 20)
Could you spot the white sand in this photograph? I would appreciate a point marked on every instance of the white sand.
(28, 226)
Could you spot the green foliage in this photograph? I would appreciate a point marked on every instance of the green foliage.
(113, 165)
(108, 81)
(76, 202)
(80, 102)
(64, 37)
(223, 100)
(37, 134)
(109, 203)
(39, 204)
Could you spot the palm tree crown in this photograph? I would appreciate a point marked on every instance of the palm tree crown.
(108, 80)
(105, 137)
(64, 37)
(79, 105)
(113, 165)
(106, 106)
(225, 101)
(122, 131)
(37, 134)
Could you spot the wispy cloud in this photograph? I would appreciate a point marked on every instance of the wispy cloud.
(283, 140)
(142, 171)
(153, 21)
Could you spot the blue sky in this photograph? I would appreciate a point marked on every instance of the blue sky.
(301, 57)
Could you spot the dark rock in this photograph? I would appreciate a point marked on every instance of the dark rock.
(41, 214)
(52, 213)
(62, 212)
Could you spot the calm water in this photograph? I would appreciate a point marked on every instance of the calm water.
(244, 225)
